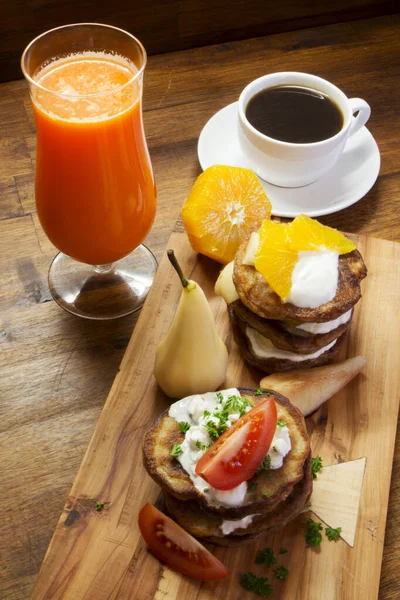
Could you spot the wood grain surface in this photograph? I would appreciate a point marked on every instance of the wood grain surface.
(56, 370)
(168, 25)
(96, 555)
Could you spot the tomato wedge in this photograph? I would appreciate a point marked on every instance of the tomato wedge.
(177, 548)
(236, 455)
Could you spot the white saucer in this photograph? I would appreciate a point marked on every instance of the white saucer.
(347, 182)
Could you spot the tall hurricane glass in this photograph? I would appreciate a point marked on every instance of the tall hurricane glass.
(95, 191)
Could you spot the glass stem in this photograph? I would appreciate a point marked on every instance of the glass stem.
(102, 268)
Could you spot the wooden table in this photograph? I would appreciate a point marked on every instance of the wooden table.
(56, 370)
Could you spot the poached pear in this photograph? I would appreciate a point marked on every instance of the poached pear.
(192, 359)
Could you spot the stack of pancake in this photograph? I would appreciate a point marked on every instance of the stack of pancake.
(279, 336)
(273, 497)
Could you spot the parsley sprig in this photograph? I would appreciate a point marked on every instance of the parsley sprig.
(202, 446)
(176, 450)
(316, 466)
(266, 557)
(313, 535)
(266, 464)
(333, 534)
(281, 572)
(183, 426)
(259, 585)
(219, 421)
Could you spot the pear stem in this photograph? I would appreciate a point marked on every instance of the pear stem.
(174, 262)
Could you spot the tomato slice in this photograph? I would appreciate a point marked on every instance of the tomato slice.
(236, 455)
(177, 548)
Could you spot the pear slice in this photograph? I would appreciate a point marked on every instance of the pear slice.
(309, 388)
(224, 285)
(249, 257)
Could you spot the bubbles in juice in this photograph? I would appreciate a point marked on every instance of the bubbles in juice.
(86, 87)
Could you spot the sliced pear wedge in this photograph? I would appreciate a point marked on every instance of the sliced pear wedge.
(224, 285)
(309, 388)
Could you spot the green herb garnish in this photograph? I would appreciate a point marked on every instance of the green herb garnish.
(281, 423)
(206, 413)
(220, 397)
(264, 496)
(316, 466)
(213, 430)
(266, 464)
(206, 490)
(236, 404)
(283, 550)
(176, 450)
(202, 446)
(259, 585)
(333, 534)
(183, 426)
(281, 572)
(219, 421)
(253, 487)
(313, 536)
(266, 557)
(99, 506)
(258, 392)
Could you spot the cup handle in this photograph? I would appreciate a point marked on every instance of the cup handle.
(364, 111)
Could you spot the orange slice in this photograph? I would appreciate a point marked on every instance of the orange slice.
(224, 206)
(275, 259)
(308, 234)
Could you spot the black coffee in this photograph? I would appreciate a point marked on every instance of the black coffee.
(295, 114)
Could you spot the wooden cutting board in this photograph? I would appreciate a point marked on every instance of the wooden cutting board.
(98, 555)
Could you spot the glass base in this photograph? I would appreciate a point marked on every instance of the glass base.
(105, 291)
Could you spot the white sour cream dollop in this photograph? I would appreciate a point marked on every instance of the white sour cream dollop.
(191, 410)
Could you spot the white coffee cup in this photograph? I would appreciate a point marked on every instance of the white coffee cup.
(290, 164)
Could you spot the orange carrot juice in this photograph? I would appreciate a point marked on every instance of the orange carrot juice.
(95, 191)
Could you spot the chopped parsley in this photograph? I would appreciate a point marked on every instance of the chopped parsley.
(176, 450)
(316, 466)
(206, 490)
(264, 496)
(258, 392)
(259, 585)
(266, 464)
(253, 487)
(213, 430)
(283, 550)
(236, 404)
(266, 557)
(183, 426)
(313, 536)
(219, 421)
(220, 397)
(202, 446)
(281, 423)
(333, 534)
(99, 506)
(206, 413)
(274, 449)
(281, 572)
